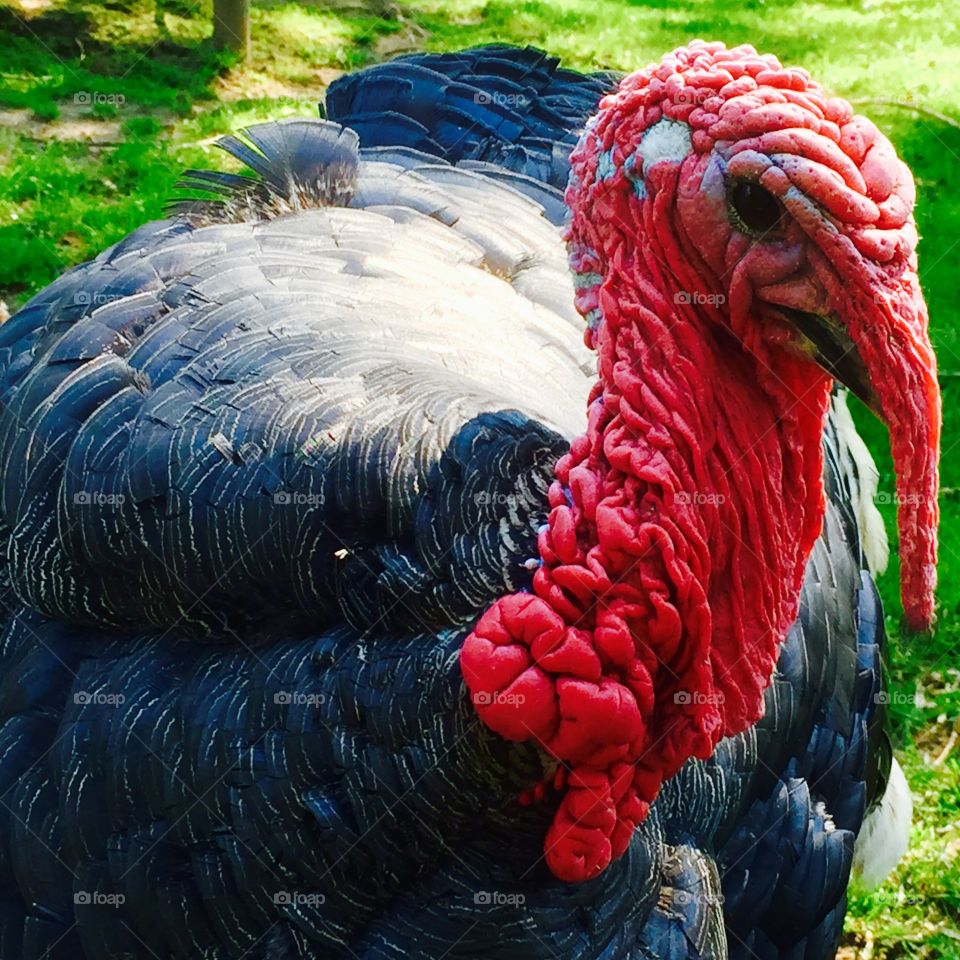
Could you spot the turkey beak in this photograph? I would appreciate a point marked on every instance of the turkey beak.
(828, 342)
(879, 347)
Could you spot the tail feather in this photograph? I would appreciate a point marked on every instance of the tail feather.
(301, 164)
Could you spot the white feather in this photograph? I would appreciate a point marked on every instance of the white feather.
(665, 140)
(885, 834)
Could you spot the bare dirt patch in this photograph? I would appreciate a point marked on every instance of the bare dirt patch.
(234, 87)
(73, 124)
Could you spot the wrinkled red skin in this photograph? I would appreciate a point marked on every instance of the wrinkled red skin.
(681, 522)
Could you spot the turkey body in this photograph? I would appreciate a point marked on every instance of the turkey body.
(264, 463)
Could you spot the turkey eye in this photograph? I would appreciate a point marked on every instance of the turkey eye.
(755, 210)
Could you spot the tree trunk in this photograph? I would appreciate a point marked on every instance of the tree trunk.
(231, 26)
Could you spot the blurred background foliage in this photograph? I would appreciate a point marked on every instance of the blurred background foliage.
(104, 102)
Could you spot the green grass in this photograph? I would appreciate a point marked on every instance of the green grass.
(157, 96)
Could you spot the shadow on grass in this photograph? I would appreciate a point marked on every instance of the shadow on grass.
(64, 50)
(59, 31)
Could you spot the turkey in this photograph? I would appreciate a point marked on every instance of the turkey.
(378, 585)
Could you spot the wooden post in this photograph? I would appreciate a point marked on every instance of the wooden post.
(231, 26)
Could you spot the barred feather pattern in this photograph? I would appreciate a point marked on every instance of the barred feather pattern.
(178, 479)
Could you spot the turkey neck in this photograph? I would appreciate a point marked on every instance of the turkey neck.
(681, 521)
(672, 559)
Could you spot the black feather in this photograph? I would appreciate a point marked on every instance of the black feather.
(263, 463)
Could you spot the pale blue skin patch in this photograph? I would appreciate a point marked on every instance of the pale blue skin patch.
(714, 182)
(606, 167)
(635, 176)
(582, 281)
